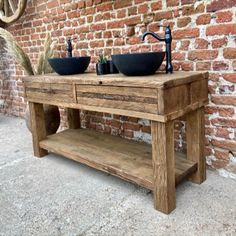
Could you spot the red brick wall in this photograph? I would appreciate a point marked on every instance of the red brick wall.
(204, 39)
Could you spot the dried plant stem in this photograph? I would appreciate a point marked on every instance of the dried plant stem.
(22, 58)
(17, 52)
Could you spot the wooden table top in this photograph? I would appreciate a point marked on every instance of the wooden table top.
(160, 79)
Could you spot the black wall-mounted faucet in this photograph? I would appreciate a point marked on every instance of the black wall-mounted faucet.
(167, 39)
(69, 48)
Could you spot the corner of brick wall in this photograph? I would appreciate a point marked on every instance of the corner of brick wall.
(204, 39)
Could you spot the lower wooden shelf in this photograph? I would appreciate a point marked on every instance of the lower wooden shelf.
(126, 159)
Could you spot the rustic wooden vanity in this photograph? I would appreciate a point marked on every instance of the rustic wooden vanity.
(160, 98)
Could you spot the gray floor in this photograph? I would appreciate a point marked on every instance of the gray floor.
(56, 196)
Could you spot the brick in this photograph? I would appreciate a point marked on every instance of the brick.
(222, 154)
(218, 43)
(184, 45)
(219, 164)
(52, 4)
(186, 2)
(187, 66)
(201, 43)
(231, 77)
(225, 16)
(221, 111)
(202, 55)
(122, 3)
(108, 6)
(132, 21)
(201, 66)
(203, 19)
(230, 53)
(220, 65)
(172, 3)
(186, 33)
(178, 56)
(163, 15)
(188, 10)
(182, 22)
(224, 100)
(217, 5)
(132, 11)
(222, 29)
(131, 126)
(143, 8)
(225, 144)
(156, 5)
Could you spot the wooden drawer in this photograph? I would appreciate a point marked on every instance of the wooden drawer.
(118, 97)
(60, 92)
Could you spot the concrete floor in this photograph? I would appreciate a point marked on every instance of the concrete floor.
(56, 196)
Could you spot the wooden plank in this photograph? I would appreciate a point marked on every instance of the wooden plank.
(37, 128)
(122, 112)
(163, 166)
(176, 98)
(126, 159)
(117, 97)
(118, 90)
(187, 109)
(160, 79)
(56, 86)
(199, 91)
(73, 118)
(125, 105)
(55, 97)
(195, 135)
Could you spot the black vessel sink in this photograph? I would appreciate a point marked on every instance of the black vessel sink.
(137, 64)
(69, 65)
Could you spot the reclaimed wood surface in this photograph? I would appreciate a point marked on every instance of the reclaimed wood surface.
(73, 118)
(152, 81)
(159, 97)
(37, 128)
(11, 10)
(126, 159)
(163, 161)
(195, 136)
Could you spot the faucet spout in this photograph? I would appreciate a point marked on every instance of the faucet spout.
(167, 39)
(156, 36)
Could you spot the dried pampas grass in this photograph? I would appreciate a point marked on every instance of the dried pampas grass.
(22, 58)
(17, 52)
(43, 66)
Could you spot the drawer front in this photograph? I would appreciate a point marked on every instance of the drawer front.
(118, 97)
(49, 91)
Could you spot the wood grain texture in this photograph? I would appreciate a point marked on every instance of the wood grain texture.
(91, 107)
(195, 135)
(126, 159)
(160, 97)
(37, 127)
(49, 91)
(163, 166)
(73, 118)
(153, 81)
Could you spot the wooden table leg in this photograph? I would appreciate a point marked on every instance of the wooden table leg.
(163, 166)
(37, 127)
(73, 117)
(195, 135)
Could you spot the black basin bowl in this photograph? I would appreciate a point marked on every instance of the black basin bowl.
(137, 64)
(69, 65)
